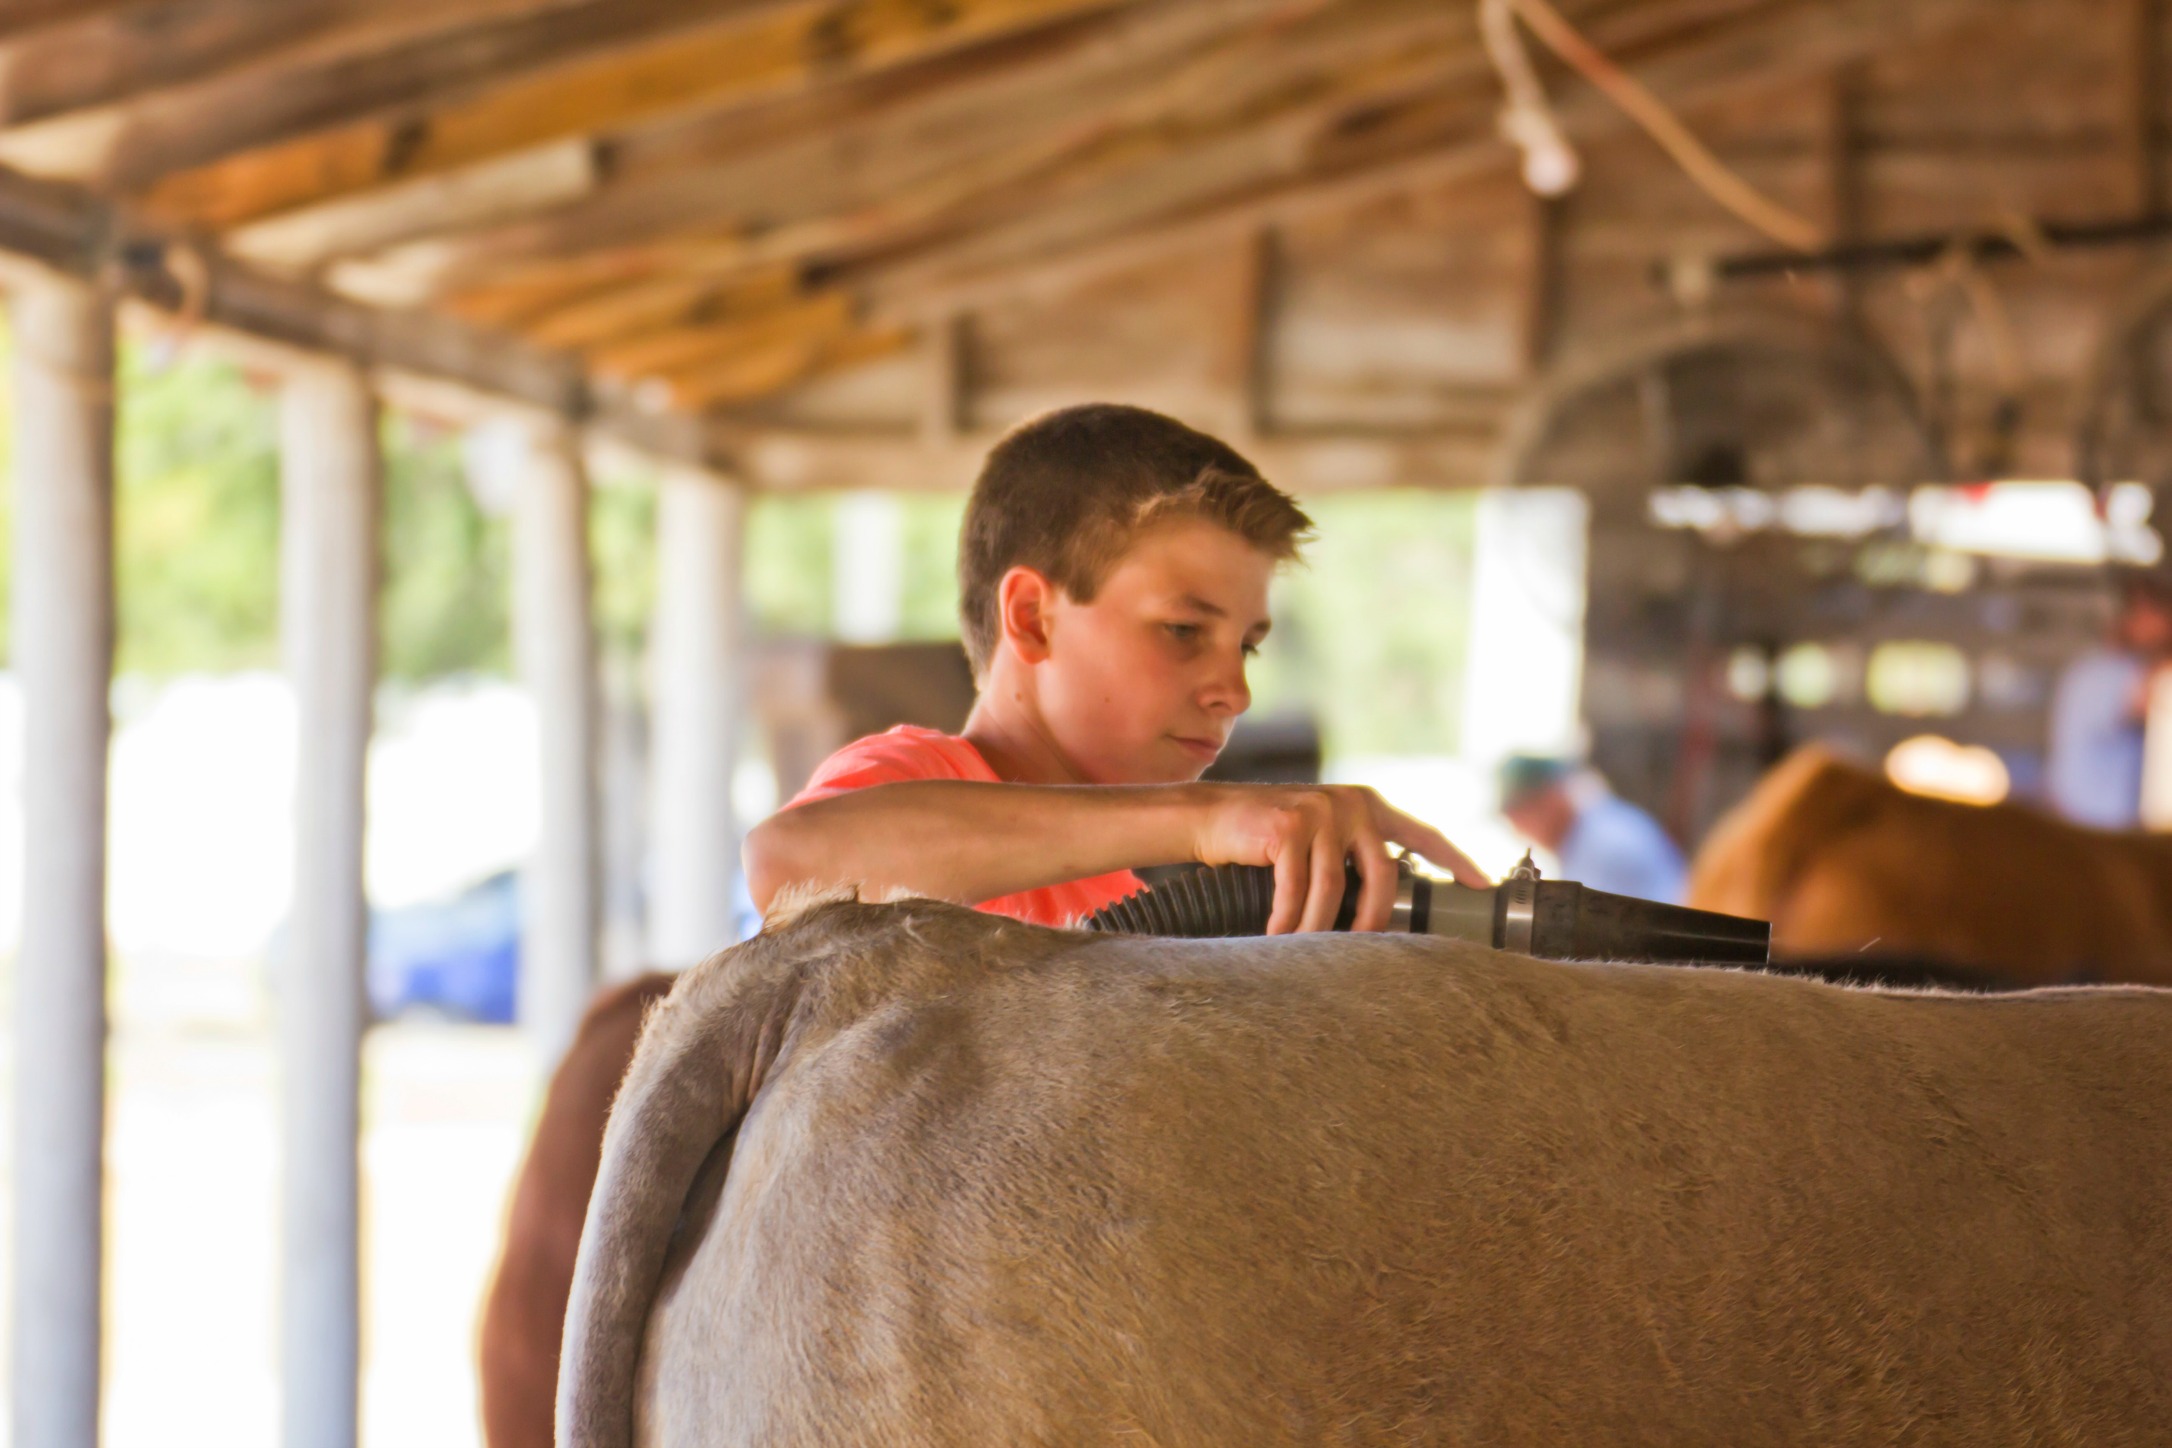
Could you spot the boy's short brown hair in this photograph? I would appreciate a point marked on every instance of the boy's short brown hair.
(1065, 494)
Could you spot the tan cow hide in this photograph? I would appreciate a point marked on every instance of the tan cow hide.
(910, 1175)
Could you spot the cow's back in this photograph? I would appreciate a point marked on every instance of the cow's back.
(1378, 1190)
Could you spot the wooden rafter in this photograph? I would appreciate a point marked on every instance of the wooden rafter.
(1186, 200)
(1260, 100)
(811, 320)
(105, 56)
(61, 229)
(27, 17)
(749, 376)
(217, 163)
(779, 181)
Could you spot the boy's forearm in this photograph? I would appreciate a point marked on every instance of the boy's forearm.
(969, 842)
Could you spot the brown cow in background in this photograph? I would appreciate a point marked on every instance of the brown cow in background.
(524, 1311)
(1841, 861)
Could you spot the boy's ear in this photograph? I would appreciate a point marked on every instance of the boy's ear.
(1024, 598)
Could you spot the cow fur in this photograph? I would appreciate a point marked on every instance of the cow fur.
(911, 1175)
(1843, 862)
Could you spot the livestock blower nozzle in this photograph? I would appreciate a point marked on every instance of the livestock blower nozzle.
(1555, 919)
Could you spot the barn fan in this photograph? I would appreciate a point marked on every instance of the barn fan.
(1761, 400)
(2126, 426)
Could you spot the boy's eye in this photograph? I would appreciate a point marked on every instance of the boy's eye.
(1186, 632)
(1251, 651)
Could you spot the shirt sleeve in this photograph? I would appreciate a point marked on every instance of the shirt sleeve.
(891, 758)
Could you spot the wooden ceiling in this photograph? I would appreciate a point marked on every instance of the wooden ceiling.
(709, 201)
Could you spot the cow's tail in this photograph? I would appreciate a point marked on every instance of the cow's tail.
(1760, 847)
(704, 1052)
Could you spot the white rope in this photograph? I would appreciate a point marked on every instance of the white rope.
(1711, 174)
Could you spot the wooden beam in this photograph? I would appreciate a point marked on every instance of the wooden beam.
(487, 192)
(565, 72)
(748, 377)
(735, 190)
(1135, 219)
(20, 18)
(105, 55)
(784, 460)
(1241, 365)
(402, 88)
(946, 343)
(808, 321)
(1539, 322)
(651, 306)
(2143, 54)
(1839, 149)
(51, 228)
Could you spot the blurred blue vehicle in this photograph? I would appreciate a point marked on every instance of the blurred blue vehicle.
(458, 956)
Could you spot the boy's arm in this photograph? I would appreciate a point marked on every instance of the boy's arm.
(968, 842)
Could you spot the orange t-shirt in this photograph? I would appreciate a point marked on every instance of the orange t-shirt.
(912, 752)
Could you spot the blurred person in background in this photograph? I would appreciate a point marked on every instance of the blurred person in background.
(1601, 839)
(2102, 701)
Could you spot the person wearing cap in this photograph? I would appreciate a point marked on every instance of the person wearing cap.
(1601, 839)
(2094, 774)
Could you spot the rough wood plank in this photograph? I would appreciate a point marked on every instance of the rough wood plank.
(811, 320)
(26, 17)
(1109, 229)
(2145, 89)
(661, 304)
(418, 113)
(102, 56)
(756, 375)
(801, 460)
(488, 191)
(732, 190)
(946, 344)
(48, 227)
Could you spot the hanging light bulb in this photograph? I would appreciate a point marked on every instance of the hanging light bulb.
(1550, 164)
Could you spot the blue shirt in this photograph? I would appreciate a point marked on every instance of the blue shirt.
(1618, 848)
(2094, 775)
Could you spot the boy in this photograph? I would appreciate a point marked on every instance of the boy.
(1113, 570)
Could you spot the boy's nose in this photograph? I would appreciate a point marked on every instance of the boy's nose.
(1228, 690)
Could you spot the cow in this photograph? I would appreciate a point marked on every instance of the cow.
(1842, 861)
(911, 1175)
(524, 1308)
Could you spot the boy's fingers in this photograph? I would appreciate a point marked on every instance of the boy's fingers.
(1290, 866)
(1323, 894)
(1376, 891)
(1424, 839)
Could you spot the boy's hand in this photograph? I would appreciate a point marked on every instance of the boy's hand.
(1305, 832)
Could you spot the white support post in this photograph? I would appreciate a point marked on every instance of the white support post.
(697, 676)
(63, 605)
(555, 639)
(867, 566)
(328, 605)
(1520, 679)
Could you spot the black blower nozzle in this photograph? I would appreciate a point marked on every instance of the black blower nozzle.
(1556, 919)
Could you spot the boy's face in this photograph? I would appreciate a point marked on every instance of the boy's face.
(1142, 685)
